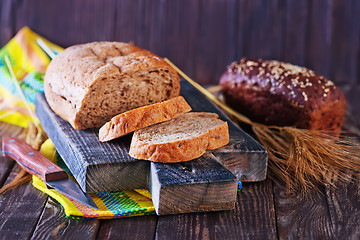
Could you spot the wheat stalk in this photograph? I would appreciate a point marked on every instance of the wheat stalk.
(298, 157)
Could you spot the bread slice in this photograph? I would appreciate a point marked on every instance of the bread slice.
(183, 138)
(132, 120)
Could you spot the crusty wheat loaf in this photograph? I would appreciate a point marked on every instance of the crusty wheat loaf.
(183, 138)
(137, 118)
(90, 83)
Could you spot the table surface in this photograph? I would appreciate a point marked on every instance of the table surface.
(264, 210)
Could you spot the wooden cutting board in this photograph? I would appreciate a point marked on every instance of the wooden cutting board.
(200, 185)
(99, 166)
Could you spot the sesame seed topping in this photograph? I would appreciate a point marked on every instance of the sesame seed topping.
(305, 96)
(281, 78)
(329, 83)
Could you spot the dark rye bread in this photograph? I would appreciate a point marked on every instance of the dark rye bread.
(282, 94)
(90, 83)
(137, 118)
(183, 138)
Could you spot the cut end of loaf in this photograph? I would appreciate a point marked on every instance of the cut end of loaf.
(115, 95)
(138, 118)
(183, 138)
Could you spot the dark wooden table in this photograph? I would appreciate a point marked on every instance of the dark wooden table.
(322, 35)
(264, 210)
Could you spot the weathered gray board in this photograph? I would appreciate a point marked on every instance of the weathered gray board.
(200, 185)
(107, 166)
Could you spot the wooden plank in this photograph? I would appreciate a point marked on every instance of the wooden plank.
(319, 36)
(344, 208)
(186, 226)
(155, 11)
(344, 59)
(128, 21)
(6, 164)
(302, 218)
(253, 217)
(353, 98)
(239, 28)
(276, 16)
(295, 31)
(69, 22)
(128, 228)
(344, 204)
(351, 125)
(178, 32)
(53, 224)
(260, 29)
(244, 156)
(7, 21)
(202, 184)
(212, 34)
(20, 209)
(145, 11)
(245, 161)
(96, 166)
(344, 47)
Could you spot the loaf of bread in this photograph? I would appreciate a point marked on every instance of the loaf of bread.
(90, 83)
(183, 138)
(282, 94)
(137, 118)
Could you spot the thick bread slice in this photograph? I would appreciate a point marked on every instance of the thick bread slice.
(88, 84)
(142, 117)
(183, 138)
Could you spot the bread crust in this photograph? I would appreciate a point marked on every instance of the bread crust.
(282, 94)
(180, 150)
(74, 77)
(135, 119)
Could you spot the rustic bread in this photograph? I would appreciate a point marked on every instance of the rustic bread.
(183, 138)
(90, 83)
(137, 118)
(277, 93)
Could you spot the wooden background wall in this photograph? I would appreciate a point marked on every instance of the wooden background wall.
(203, 36)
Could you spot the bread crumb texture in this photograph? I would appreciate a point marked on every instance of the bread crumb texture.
(183, 138)
(88, 84)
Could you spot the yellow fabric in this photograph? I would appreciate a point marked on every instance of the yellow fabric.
(13, 109)
(27, 60)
